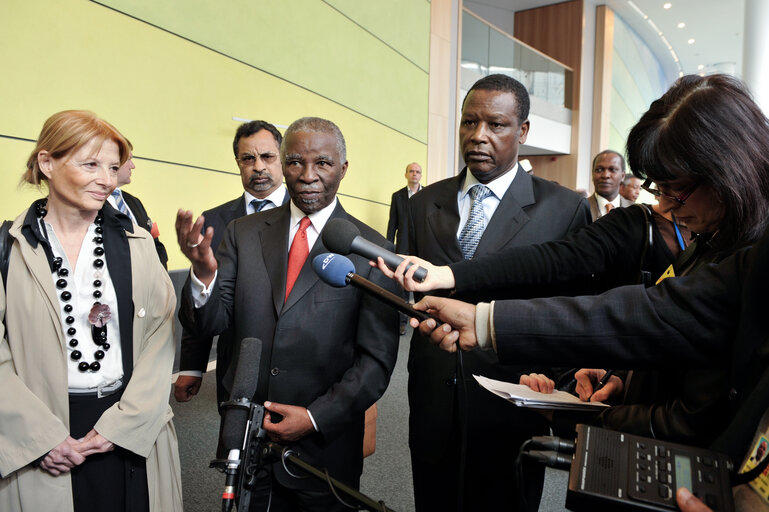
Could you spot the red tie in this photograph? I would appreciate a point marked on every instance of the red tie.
(297, 254)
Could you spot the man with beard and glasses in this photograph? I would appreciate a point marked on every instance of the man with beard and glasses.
(256, 148)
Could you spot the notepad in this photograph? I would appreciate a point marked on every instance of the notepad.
(524, 396)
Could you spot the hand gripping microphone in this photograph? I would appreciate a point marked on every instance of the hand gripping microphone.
(343, 237)
(235, 425)
(339, 271)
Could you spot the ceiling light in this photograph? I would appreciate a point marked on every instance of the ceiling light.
(667, 5)
(690, 41)
(636, 9)
(681, 25)
(701, 67)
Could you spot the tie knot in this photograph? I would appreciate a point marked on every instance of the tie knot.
(259, 204)
(304, 223)
(116, 193)
(479, 192)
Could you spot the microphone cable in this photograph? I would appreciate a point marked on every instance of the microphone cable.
(463, 417)
(552, 451)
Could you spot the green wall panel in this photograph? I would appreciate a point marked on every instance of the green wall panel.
(309, 43)
(175, 100)
(399, 23)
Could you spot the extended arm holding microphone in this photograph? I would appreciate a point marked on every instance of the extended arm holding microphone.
(343, 237)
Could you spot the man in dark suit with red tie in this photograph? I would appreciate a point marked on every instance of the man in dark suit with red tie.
(328, 352)
(256, 147)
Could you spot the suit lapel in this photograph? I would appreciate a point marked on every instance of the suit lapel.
(237, 210)
(273, 239)
(509, 217)
(594, 211)
(443, 220)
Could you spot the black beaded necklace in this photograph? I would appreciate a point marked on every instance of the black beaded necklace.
(100, 313)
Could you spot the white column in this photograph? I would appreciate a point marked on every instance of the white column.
(755, 65)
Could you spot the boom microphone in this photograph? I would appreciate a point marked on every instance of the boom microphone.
(343, 237)
(339, 271)
(236, 413)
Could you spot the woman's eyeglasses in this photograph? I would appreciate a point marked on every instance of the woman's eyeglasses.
(681, 198)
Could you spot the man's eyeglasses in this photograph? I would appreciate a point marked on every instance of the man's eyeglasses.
(681, 198)
(248, 160)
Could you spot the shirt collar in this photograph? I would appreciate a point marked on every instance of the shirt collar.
(318, 219)
(276, 196)
(498, 185)
(602, 201)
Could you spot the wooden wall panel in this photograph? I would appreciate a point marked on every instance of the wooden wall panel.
(557, 30)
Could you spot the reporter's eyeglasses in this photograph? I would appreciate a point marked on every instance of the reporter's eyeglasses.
(681, 198)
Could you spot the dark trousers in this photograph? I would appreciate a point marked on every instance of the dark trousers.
(268, 492)
(496, 431)
(114, 481)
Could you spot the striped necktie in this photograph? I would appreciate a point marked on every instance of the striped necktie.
(260, 204)
(473, 231)
(121, 204)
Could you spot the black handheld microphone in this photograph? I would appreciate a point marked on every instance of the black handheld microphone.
(343, 237)
(339, 271)
(235, 424)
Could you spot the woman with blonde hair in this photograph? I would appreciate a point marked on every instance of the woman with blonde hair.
(87, 344)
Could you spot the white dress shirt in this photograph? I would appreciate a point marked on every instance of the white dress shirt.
(498, 187)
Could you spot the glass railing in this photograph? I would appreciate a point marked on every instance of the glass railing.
(487, 50)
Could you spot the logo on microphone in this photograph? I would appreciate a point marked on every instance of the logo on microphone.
(328, 259)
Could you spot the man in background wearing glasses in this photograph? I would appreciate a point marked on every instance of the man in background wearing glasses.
(257, 154)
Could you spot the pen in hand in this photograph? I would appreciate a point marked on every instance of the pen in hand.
(602, 383)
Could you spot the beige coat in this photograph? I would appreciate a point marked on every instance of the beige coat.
(34, 411)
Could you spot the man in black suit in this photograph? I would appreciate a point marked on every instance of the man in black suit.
(328, 352)
(491, 205)
(398, 225)
(608, 172)
(256, 147)
(711, 320)
(131, 206)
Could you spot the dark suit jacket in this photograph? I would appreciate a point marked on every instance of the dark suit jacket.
(595, 212)
(194, 352)
(532, 211)
(399, 221)
(331, 350)
(143, 220)
(715, 319)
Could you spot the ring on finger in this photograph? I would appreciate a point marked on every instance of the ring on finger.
(192, 246)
